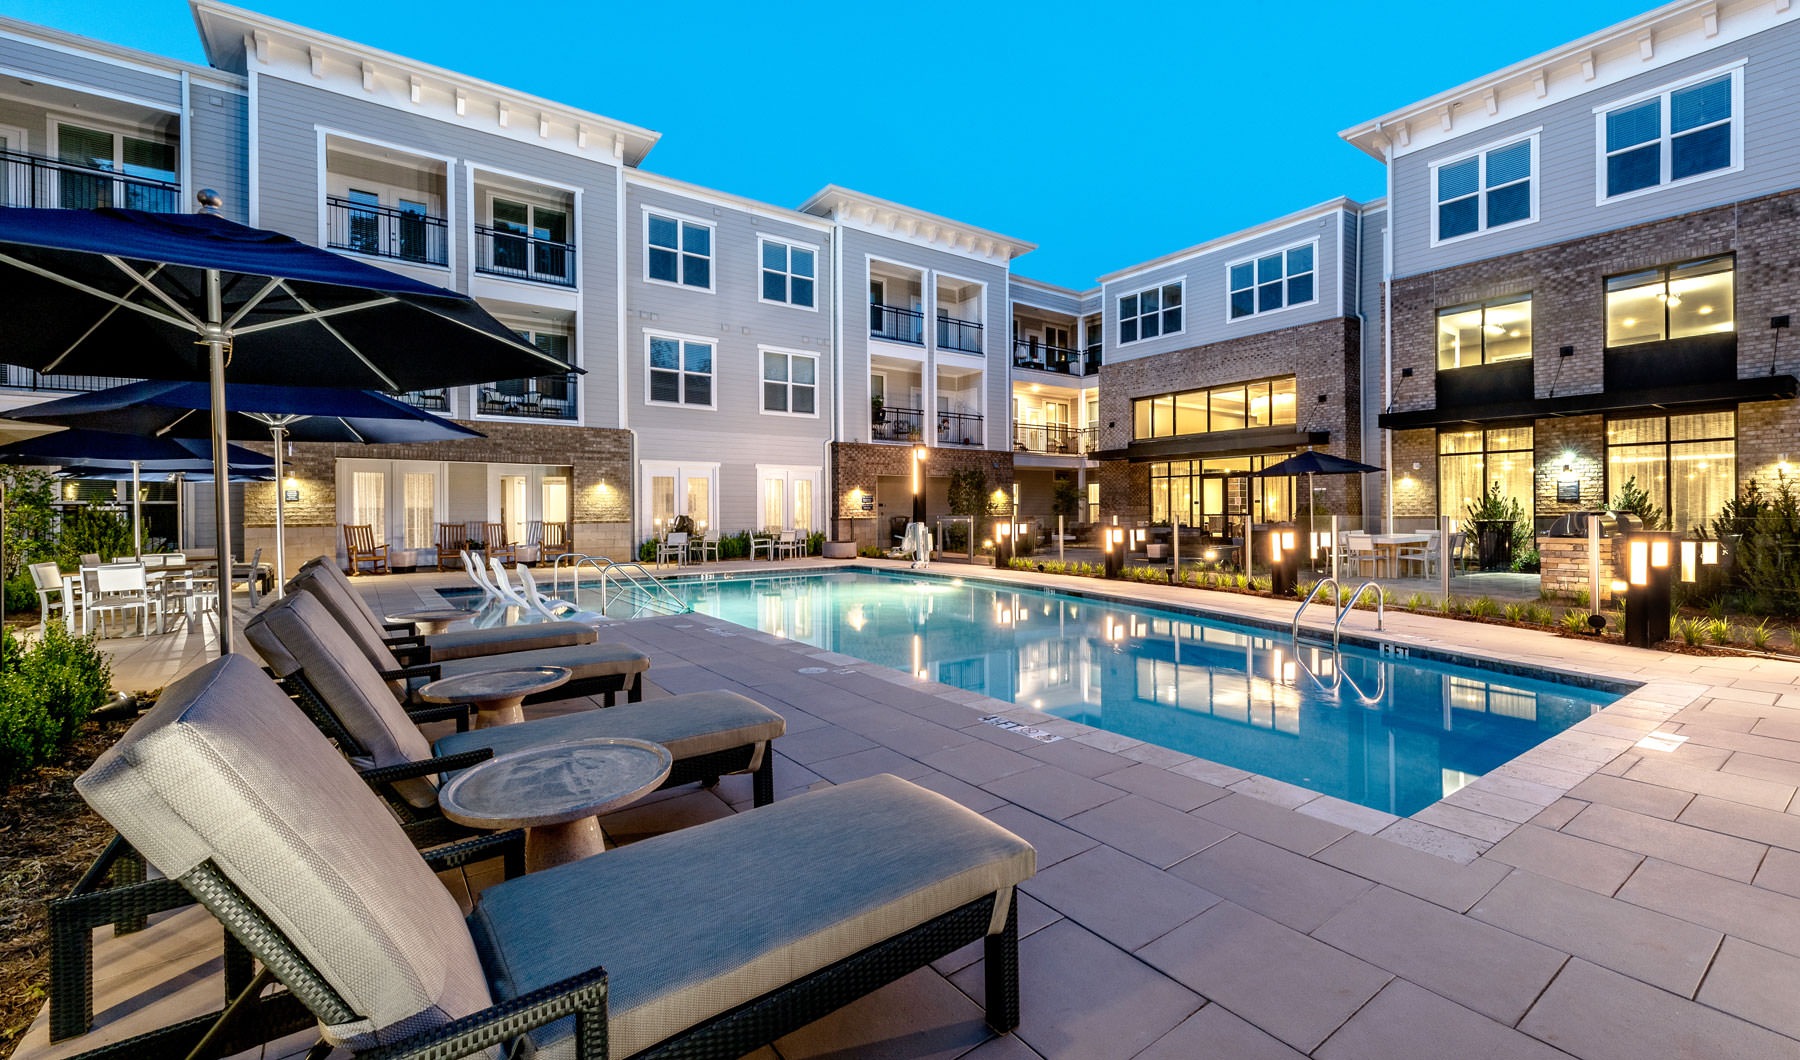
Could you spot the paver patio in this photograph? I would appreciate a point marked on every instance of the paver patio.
(1605, 895)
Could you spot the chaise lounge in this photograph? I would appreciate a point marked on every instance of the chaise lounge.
(713, 940)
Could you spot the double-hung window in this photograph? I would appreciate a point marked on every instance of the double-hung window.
(788, 273)
(1149, 313)
(681, 371)
(1489, 189)
(1671, 302)
(1272, 281)
(1675, 135)
(678, 251)
(1484, 333)
(790, 383)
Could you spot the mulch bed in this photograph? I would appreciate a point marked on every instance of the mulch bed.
(48, 838)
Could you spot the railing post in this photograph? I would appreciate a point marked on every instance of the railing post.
(1444, 556)
(1059, 539)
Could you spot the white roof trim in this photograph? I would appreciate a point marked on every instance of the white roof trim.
(1337, 205)
(726, 199)
(857, 210)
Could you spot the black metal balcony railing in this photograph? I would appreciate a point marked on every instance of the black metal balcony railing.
(385, 232)
(48, 184)
(544, 397)
(1038, 355)
(517, 256)
(959, 428)
(896, 324)
(13, 375)
(430, 400)
(897, 425)
(961, 335)
(1052, 439)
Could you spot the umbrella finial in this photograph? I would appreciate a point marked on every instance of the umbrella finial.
(210, 201)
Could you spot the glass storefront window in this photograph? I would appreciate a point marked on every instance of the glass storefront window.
(1264, 403)
(1687, 464)
(1488, 333)
(1219, 494)
(1469, 462)
(1672, 302)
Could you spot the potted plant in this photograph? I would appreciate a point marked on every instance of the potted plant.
(877, 410)
(1492, 517)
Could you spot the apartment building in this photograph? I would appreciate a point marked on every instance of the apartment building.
(1592, 267)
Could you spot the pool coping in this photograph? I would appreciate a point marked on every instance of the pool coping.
(1459, 828)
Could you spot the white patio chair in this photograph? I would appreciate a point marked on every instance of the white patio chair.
(503, 585)
(674, 547)
(1361, 555)
(472, 567)
(1423, 556)
(788, 545)
(553, 608)
(763, 542)
(708, 545)
(120, 588)
(48, 581)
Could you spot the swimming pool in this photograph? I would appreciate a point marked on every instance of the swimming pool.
(1395, 734)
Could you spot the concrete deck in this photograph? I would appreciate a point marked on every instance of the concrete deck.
(1630, 889)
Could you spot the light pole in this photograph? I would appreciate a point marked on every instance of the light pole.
(918, 483)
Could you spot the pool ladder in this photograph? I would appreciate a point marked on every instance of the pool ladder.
(1342, 606)
(648, 592)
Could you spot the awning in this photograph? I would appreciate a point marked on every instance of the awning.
(1256, 441)
(1729, 392)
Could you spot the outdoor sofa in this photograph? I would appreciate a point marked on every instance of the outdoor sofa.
(710, 941)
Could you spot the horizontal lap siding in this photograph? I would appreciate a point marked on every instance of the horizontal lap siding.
(1568, 159)
(289, 199)
(1205, 317)
(54, 65)
(1055, 301)
(219, 147)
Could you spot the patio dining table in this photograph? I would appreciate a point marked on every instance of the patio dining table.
(1387, 548)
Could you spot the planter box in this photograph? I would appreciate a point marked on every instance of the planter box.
(840, 550)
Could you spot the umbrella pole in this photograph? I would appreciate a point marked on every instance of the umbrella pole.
(137, 512)
(279, 433)
(180, 512)
(215, 345)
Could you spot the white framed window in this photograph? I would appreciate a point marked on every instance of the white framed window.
(677, 251)
(1279, 280)
(111, 151)
(790, 383)
(1489, 188)
(680, 371)
(786, 497)
(789, 272)
(1150, 312)
(1680, 133)
(677, 488)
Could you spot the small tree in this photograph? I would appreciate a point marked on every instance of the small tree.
(92, 530)
(1066, 499)
(969, 496)
(30, 519)
(1634, 500)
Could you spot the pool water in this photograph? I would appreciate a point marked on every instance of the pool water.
(1387, 732)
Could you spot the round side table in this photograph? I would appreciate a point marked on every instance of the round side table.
(432, 620)
(497, 695)
(555, 792)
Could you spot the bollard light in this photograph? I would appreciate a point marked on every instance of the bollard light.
(1690, 555)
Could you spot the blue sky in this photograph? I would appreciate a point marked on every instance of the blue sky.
(1106, 134)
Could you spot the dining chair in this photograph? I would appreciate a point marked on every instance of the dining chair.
(673, 547)
(707, 546)
(120, 588)
(1423, 555)
(54, 594)
(763, 542)
(788, 545)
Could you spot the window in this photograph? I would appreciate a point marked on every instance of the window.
(419, 489)
(1218, 494)
(1672, 302)
(1264, 403)
(680, 371)
(787, 273)
(1675, 135)
(679, 252)
(790, 383)
(1489, 189)
(530, 239)
(368, 502)
(1469, 462)
(1687, 464)
(133, 156)
(1484, 333)
(1271, 282)
(1150, 313)
(548, 396)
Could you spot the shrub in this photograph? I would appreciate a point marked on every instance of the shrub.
(46, 693)
(1689, 630)
(870, 552)
(1483, 607)
(815, 544)
(30, 518)
(1634, 500)
(1454, 605)
(84, 530)
(1514, 612)
(1760, 636)
(21, 595)
(1539, 614)
(1717, 630)
(735, 546)
(1574, 622)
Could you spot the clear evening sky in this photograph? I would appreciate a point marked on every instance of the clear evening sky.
(1106, 133)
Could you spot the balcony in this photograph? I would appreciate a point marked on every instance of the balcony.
(544, 397)
(12, 375)
(1036, 355)
(897, 425)
(895, 324)
(961, 335)
(386, 232)
(959, 428)
(1053, 439)
(430, 400)
(517, 256)
(48, 184)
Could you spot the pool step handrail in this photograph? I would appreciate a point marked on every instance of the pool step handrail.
(1337, 591)
(1340, 604)
(629, 578)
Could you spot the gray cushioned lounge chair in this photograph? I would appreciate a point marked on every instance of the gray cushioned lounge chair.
(598, 668)
(710, 941)
(709, 734)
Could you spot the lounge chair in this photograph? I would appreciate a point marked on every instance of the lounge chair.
(710, 941)
(346, 605)
(550, 607)
(505, 586)
(710, 734)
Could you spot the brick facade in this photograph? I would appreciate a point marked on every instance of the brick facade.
(1324, 359)
(1566, 282)
(872, 483)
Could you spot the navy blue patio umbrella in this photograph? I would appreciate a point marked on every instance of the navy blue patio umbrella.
(1310, 463)
(163, 408)
(198, 297)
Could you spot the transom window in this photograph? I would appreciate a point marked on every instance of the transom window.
(1264, 403)
(681, 371)
(1271, 282)
(1671, 302)
(790, 383)
(787, 273)
(1673, 136)
(1687, 464)
(1489, 189)
(1470, 462)
(1484, 333)
(1149, 313)
(679, 252)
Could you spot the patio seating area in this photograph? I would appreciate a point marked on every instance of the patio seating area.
(1625, 890)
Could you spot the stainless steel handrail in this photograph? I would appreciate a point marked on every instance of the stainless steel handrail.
(655, 595)
(625, 571)
(1333, 582)
(1346, 606)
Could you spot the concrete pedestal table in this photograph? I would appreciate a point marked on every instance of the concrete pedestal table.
(497, 695)
(433, 620)
(555, 793)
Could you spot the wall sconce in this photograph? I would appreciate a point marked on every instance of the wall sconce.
(1324, 398)
(1565, 351)
(1406, 373)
